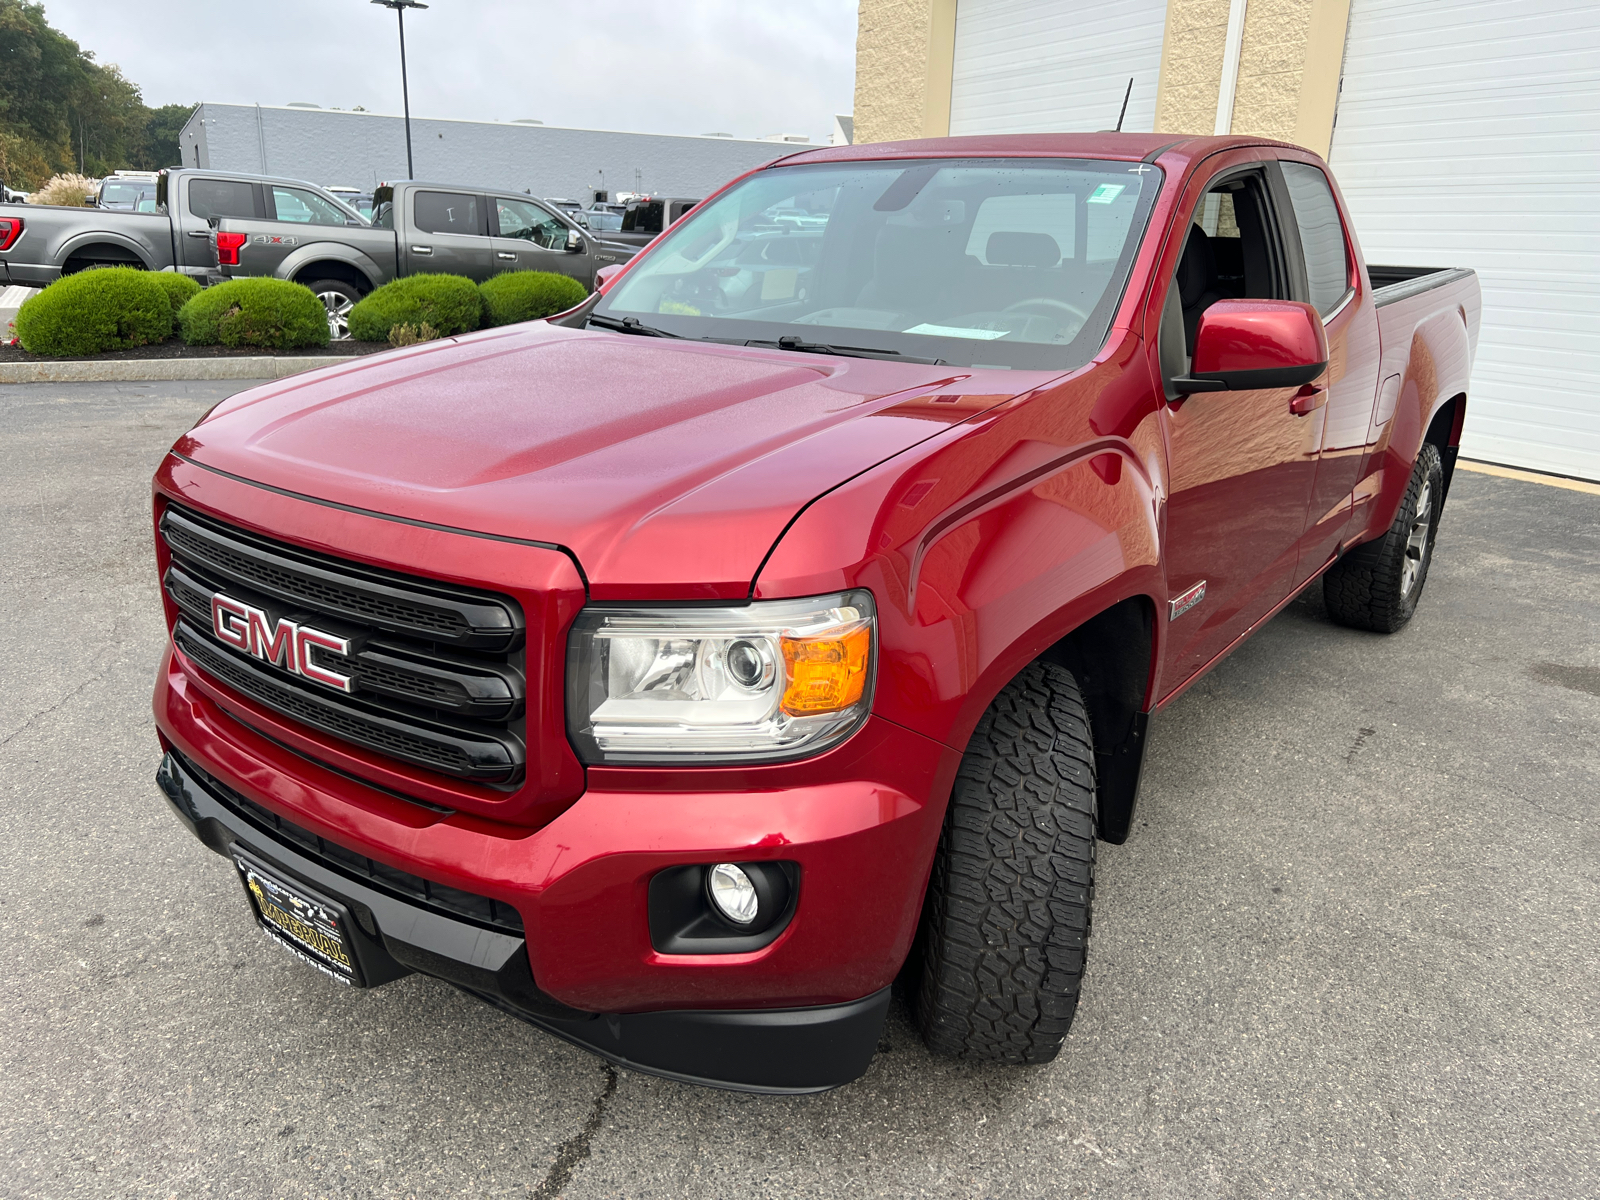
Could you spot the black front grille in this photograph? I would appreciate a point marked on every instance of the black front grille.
(443, 679)
(342, 589)
(451, 901)
(438, 700)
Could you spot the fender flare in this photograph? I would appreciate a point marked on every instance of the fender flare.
(317, 252)
(1437, 366)
(103, 237)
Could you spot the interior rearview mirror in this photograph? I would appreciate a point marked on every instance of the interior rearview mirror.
(1247, 344)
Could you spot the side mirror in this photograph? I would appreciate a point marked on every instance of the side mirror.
(574, 242)
(1246, 344)
(604, 276)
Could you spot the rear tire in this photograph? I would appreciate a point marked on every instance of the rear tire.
(1005, 927)
(338, 298)
(1377, 585)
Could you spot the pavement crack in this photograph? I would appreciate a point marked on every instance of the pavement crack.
(571, 1153)
(28, 723)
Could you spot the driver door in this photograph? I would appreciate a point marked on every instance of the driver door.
(528, 237)
(1242, 465)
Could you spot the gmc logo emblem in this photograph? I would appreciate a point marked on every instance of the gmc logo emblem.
(282, 643)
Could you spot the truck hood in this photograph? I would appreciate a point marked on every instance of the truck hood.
(668, 469)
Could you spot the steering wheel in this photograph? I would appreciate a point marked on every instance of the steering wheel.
(1054, 306)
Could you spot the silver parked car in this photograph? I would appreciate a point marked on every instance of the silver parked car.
(416, 228)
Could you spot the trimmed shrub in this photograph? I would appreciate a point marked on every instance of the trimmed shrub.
(411, 335)
(527, 296)
(68, 191)
(180, 289)
(449, 303)
(110, 308)
(271, 314)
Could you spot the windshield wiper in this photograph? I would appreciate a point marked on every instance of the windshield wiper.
(791, 342)
(630, 325)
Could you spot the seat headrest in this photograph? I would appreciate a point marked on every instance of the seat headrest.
(1197, 270)
(1011, 249)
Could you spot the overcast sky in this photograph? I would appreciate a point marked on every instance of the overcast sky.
(745, 67)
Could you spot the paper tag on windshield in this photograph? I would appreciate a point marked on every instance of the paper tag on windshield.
(957, 331)
(1106, 193)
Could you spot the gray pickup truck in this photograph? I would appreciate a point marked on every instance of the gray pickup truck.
(417, 228)
(55, 241)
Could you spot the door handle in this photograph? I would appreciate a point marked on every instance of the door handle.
(422, 249)
(205, 233)
(503, 254)
(1308, 399)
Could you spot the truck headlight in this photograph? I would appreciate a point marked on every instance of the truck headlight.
(766, 681)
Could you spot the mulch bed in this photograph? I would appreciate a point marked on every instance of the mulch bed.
(177, 349)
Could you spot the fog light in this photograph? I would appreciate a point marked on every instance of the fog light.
(733, 893)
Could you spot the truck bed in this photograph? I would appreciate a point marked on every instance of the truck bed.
(1399, 283)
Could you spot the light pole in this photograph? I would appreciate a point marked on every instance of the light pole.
(400, 7)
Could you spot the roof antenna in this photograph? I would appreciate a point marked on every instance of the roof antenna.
(1124, 111)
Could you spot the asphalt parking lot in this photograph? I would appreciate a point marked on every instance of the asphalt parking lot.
(1351, 949)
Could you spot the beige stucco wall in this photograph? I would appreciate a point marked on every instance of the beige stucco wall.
(905, 53)
(1289, 64)
(1191, 66)
(1271, 61)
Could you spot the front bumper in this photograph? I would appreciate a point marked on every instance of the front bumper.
(800, 1014)
(765, 1050)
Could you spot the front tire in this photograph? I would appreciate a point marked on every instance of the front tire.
(1377, 585)
(1005, 927)
(338, 298)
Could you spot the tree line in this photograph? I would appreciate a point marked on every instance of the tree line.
(62, 111)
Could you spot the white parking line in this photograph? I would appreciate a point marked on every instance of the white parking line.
(14, 295)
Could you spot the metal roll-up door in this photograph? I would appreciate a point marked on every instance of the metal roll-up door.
(1035, 66)
(1468, 135)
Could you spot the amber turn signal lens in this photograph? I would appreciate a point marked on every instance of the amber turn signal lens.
(825, 674)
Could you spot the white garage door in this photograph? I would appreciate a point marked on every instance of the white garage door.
(1468, 135)
(1035, 66)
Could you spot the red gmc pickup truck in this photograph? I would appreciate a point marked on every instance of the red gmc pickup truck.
(788, 619)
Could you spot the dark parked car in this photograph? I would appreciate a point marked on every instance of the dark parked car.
(644, 217)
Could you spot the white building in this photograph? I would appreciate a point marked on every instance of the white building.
(331, 147)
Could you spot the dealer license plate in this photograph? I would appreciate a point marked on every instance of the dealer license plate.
(314, 928)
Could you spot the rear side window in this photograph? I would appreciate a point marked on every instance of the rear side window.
(212, 198)
(1321, 235)
(643, 218)
(448, 212)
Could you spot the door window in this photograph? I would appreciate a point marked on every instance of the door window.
(213, 198)
(306, 208)
(530, 223)
(1321, 235)
(1232, 252)
(448, 212)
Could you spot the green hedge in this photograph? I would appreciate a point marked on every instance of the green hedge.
(110, 308)
(180, 289)
(449, 303)
(527, 296)
(272, 314)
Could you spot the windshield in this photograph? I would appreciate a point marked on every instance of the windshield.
(974, 262)
(606, 222)
(129, 197)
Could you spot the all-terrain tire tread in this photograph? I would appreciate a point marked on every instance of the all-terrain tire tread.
(1363, 589)
(1006, 924)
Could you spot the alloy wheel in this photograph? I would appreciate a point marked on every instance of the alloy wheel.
(1417, 541)
(338, 306)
